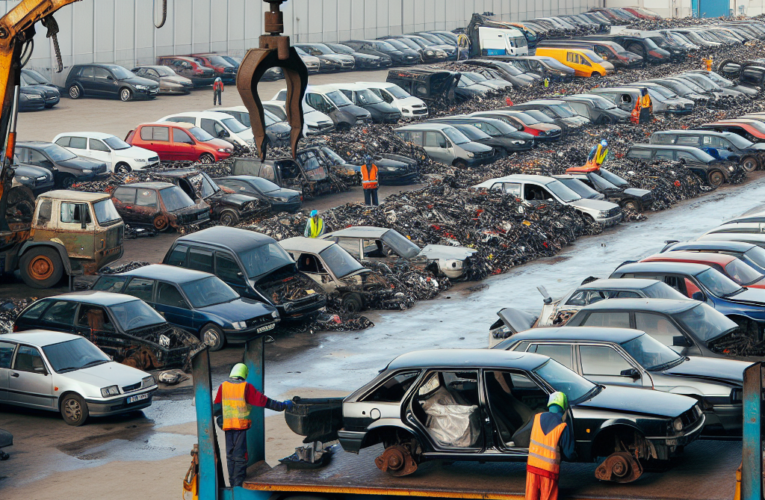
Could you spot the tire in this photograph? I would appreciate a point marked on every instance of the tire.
(161, 223)
(122, 168)
(229, 218)
(343, 127)
(631, 205)
(352, 303)
(74, 410)
(749, 164)
(126, 94)
(67, 181)
(212, 336)
(460, 164)
(595, 75)
(715, 178)
(75, 92)
(206, 158)
(41, 267)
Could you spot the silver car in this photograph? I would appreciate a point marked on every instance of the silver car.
(66, 373)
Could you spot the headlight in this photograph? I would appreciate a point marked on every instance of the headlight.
(112, 390)
(142, 87)
(86, 172)
(429, 53)
(731, 168)
(603, 213)
(405, 110)
(470, 155)
(678, 424)
(147, 382)
(360, 121)
(672, 106)
(221, 150)
(23, 178)
(275, 314)
(517, 142)
(239, 325)
(281, 199)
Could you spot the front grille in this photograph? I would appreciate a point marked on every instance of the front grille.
(347, 64)
(131, 388)
(614, 212)
(484, 154)
(690, 417)
(419, 111)
(153, 159)
(260, 320)
(393, 116)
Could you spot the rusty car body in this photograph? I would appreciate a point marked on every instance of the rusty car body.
(161, 205)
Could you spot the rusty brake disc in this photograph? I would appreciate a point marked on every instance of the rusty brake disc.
(396, 461)
(619, 467)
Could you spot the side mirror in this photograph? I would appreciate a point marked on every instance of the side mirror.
(109, 77)
(680, 341)
(697, 296)
(631, 372)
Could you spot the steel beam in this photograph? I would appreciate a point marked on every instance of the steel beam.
(208, 475)
(751, 467)
(256, 436)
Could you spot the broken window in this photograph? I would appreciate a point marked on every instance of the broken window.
(146, 198)
(95, 318)
(447, 405)
(393, 390)
(44, 213)
(75, 213)
(126, 196)
(532, 192)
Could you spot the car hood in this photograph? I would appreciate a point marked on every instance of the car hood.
(279, 128)
(238, 309)
(316, 117)
(545, 126)
(283, 193)
(356, 111)
(410, 101)
(235, 198)
(135, 152)
(382, 107)
(175, 79)
(593, 204)
(137, 80)
(636, 400)
(711, 368)
(80, 162)
(637, 192)
(32, 171)
(752, 296)
(245, 135)
(446, 252)
(336, 57)
(30, 90)
(759, 146)
(107, 374)
(475, 147)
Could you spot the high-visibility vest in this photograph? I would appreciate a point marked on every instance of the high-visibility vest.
(635, 115)
(316, 227)
(600, 155)
(645, 101)
(236, 411)
(369, 177)
(544, 452)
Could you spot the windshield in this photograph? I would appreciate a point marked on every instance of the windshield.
(692, 85)
(208, 292)
(579, 188)
(74, 355)
(659, 41)
(163, 70)
(650, 353)
(742, 273)
(472, 133)
(554, 64)
(526, 118)
(336, 158)
(722, 82)
(206, 185)
(599, 182)
(455, 135)
(614, 179)
(234, 125)
(678, 87)
(509, 68)
(562, 110)
(219, 61)
(422, 42)
(121, 73)
(57, 153)
(397, 92)
(339, 261)
(705, 322)
(338, 98)
(601, 102)
(116, 143)
(135, 314)
(562, 192)
(663, 291)
(264, 259)
(200, 135)
(593, 56)
(717, 283)
(388, 46)
(264, 185)
(407, 43)
(662, 91)
(367, 97)
(700, 80)
(400, 244)
(175, 199)
(341, 49)
(476, 77)
(756, 255)
(564, 380)
(105, 212)
(539, 115)
(36, 77)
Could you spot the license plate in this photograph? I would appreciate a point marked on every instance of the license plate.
(266, 328)
(137, 397)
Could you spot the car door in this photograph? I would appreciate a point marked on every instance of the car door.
(146, 206)
(170, 303)
(183, 147)
(312, 265)
(160, 141)
(29, 380)
(77, 145)
(228, 270)
(34, 157)
(7, 350)
(100, 151)
(86, 81)
(437, 147)
(104, 84)
(77, 229)
(605, 365)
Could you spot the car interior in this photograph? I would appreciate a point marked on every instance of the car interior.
(446, 404)
(514, 399)
(95, 318)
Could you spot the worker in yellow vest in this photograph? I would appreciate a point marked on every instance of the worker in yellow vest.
(232, 406)
(369, 181)
(315, 225)
(598, 155)
(646, 107)
(551, 439)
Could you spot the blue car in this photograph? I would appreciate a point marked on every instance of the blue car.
(720, 145)
(196, 301)
(745, 306)
(749, 253)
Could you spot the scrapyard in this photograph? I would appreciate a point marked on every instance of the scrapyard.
(411, 249)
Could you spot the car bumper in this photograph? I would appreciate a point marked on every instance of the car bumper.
(52, 101)
(610, 221)
(175, 90)
(286, 207)
(36, 105)
(202, 81)
(415, 113)
(290, 313)
(114, 406)
(351, 440)
(241, 336)
(687, 437)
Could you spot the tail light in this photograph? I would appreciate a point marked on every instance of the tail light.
(15, 327)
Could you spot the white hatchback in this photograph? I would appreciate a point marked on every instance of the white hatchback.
(118, 155)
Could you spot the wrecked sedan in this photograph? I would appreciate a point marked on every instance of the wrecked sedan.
(729, 265)
(66, 373)
(614, 188)
(124, 327)
(632, 358)
(557, 312)
(751, 254)
(336, 271)
(470, 404)
(161, 205)
(254, 265)
(724, 145)
(709, 169)
(198, 302)
(388, 245)
(280, 199)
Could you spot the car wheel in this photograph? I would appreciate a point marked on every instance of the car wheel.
(67, 182)
(161, 223)
(749, 163)
(352, 303)
(213, 337)
(126, 94)
(343, 127)
(595, 75)
(631, 205)
(206, 158)
(460, 164)
(122, 168)
(75, 92)
(715, 178)
(41, 267)
(229, 218)
(74, 409)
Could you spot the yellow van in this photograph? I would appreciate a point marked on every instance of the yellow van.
(584, 62)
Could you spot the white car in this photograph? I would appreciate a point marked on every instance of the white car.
(316, 122)
(410, 106)
(66, 373)
(118, 155)
(220, 125)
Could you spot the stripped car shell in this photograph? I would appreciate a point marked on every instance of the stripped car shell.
(161, 205)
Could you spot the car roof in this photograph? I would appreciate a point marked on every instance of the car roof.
(618, 284)
(303, 244)
(95, 297)
(40, 338)
(425, 126)
(662, 267)
(714, 258)
(696, 132)
(377, 85)
(228, 237)
(666, 146)
(182, 58)
(733, 237)
(65, 194)
(360, 232)
(321, 89)
(169, 273)
(668, 306)
(92, 135)
(517, 178)
(148, 185)
(597, 334)
(467, 359)
(730, 246)
(185, 125)
(201, 114)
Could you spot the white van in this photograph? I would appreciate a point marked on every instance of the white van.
(410, 106)
(220, 125)
(502, 42)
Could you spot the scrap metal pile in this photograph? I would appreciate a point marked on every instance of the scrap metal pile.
(9, 310)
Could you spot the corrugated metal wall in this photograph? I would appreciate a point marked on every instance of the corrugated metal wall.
(122, 31)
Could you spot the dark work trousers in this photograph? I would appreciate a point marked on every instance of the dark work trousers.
(236, 456)
(370, 197)
(216, 97)
(645, 115)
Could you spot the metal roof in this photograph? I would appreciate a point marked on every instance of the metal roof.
(666, 146)
(569, 333)
(237, 240)
(359, 232)
(425, 126)
(467, 359)
(303, 244)
(540, 179)
(65, 194)
(661, 267)
(168, 273)
(40, 338)
(95, 297)
(619, 284)
(668, 306)
(700, 257)
(725, 246)
(149, 185)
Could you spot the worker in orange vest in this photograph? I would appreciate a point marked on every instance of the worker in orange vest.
(551, 438)
(233, 402)
(217, 91)
(369, 181)
(707, 63)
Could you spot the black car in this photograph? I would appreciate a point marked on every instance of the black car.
(426, 84)
(37, 179)
(33, 79)
(519, 141)
(67, 167)
(227, 208)
(681, 89)
(596, 109)
(438, 45)
(644, 47)
(31, 99)
(615, 189)
(254, 265)
(381, 111)
(725, 145)
(399, 56)
(108, 80)
(328, 59)
(280, 199)
(392, 169)
(363, 61)
(713, 171)
(426, 56)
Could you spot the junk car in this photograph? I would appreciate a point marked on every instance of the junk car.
(725, 145)
(751, 254)
(614, 188)
(161, 205)
(280, 199)
(729, 265)
(428, 85)
(306, 173)
(712, 171)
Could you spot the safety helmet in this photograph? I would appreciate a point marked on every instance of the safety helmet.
(314, 213)
(558, 398)
(218, 79)
(604, 143)
(239, 371)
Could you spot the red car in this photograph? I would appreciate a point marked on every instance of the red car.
(753, 130)
(733, 267)
(190, 68)
(222, 68)
(642, 13)
(540, 130)
(179, 142)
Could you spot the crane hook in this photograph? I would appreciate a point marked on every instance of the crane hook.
(164, 13)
